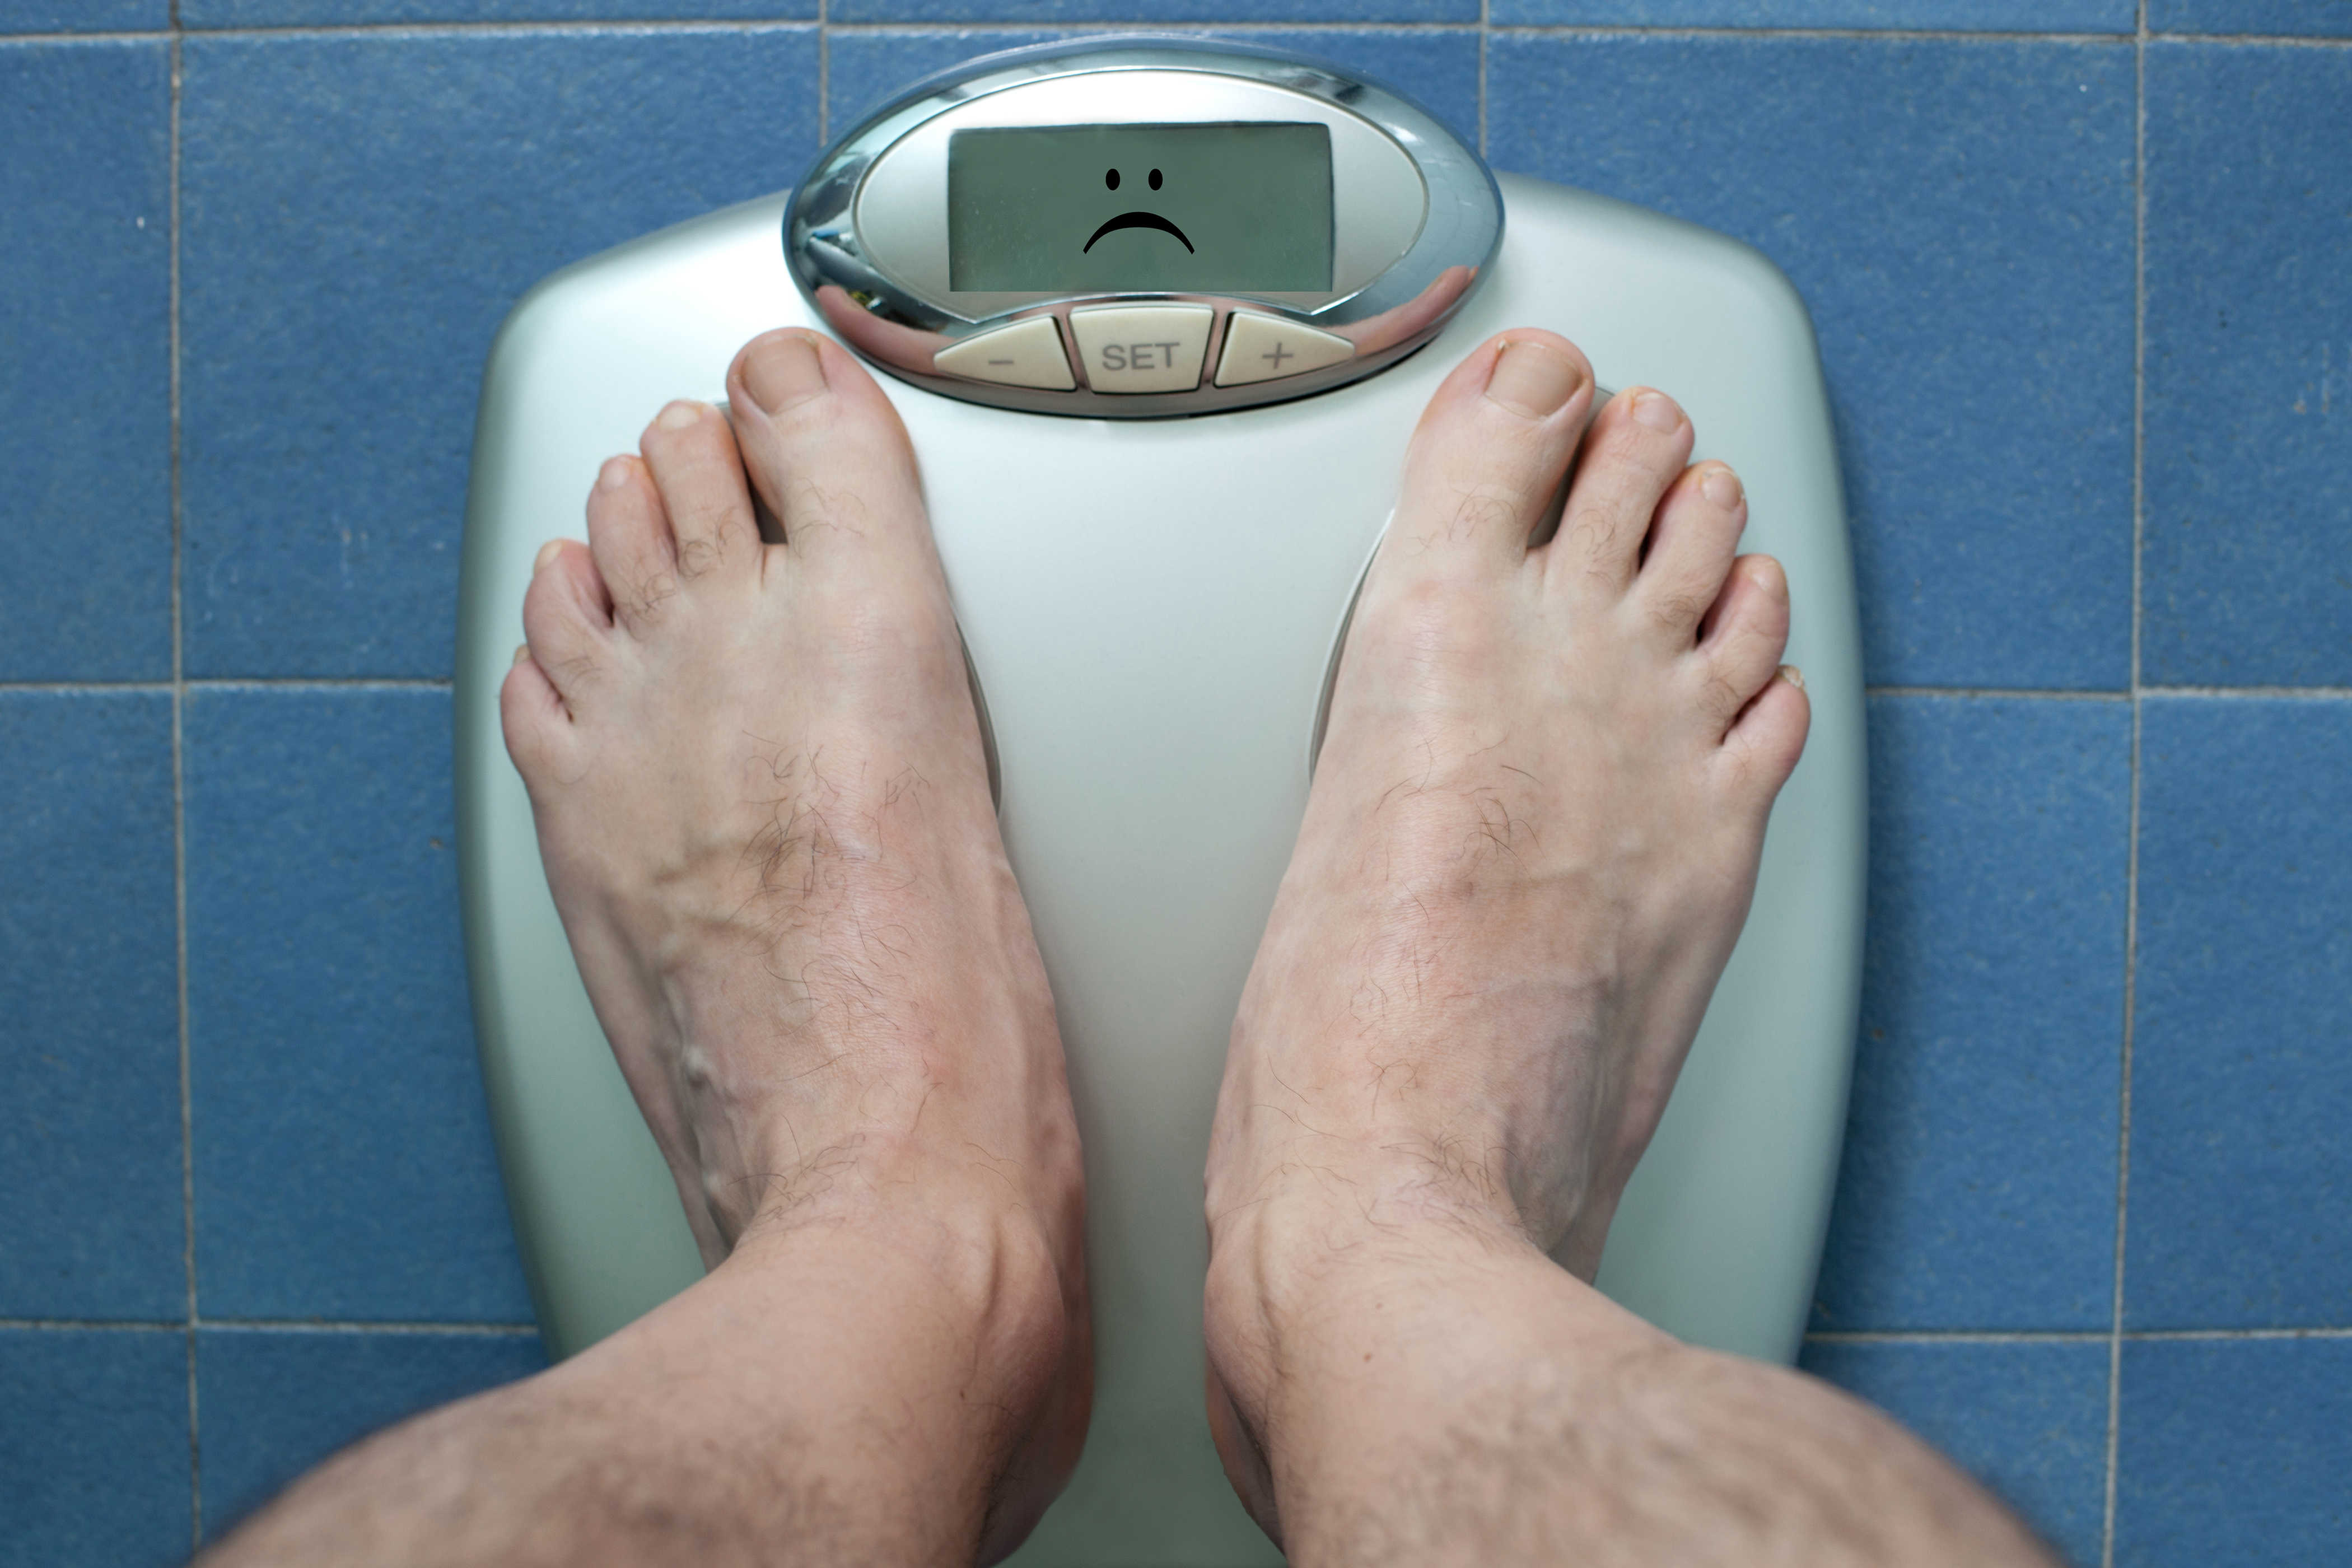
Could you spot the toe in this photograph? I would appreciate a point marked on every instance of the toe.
(629, 537)
(1486, 462)
(1636, 448)
(538, 726)
(1762, 749)
(1692, 542)
(690, 453)
(568, 617)
(826, 448)
(1743, 636)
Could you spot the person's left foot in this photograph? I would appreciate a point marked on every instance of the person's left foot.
(764, 812)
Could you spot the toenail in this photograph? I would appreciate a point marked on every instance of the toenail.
(783, 372)
(1721, 486)
(522, 651)
(678, 415)
(1793, 675)
(547, 554)
(1656, 410)
(614, 474)
(1532, 381)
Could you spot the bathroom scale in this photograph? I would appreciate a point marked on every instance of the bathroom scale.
(1159, 314)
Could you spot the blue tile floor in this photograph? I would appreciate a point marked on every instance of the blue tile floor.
(2079, 270)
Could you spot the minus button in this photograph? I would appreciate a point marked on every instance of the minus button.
(1026, 354)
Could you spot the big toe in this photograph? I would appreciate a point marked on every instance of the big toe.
(1486, 462)
(826, 448)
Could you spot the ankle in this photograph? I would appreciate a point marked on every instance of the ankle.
(992, 1260)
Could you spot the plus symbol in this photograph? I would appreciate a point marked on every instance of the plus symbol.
(1277, 356)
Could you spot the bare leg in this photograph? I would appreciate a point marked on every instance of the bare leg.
(764, 812)
(1530, 849)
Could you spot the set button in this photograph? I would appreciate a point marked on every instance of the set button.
(1142, 348)
(1265, 348)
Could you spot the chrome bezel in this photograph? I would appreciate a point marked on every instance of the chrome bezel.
(869, 242)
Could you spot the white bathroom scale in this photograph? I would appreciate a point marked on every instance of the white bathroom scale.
(1159, 315)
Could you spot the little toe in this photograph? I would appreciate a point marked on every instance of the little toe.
(568, 617)
(1636, 448)
(1692, 540)
(1744, 635)
(691, 452)
(1763, 746)
(826, 448)
(1486, 462)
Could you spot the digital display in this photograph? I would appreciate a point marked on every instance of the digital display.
(1191, 208)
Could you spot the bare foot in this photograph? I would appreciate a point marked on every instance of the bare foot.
(1531, 842)
(763, 808)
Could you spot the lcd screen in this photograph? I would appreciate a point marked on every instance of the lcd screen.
(1084, 209)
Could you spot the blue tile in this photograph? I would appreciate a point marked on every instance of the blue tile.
(89, 1012)
(2029, 1420)
(361, 211)
(866, 71)
(2301, 18)
(1986, 15)
(2242, 1057)
(2234, 1451)
(345, 13)
(85, 361)
(1979, 1185)
(1438, 68)
(81, 16)
(1151, 13)
(276, 1403)
(93, 1448)
(2248, 560)
(1958, 215)
(344, 1160)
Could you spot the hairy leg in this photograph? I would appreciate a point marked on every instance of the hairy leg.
(1530, 849)
(763, 807)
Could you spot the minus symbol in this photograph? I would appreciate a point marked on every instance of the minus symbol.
(1000, 361)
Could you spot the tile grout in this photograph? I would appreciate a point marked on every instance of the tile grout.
(180, 827)
(2111, 1459)
(2062, 1336)
(634, 27)
(270, 1325)
(443, 683)
(1485, 39)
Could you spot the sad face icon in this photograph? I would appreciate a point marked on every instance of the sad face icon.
(1135, 219)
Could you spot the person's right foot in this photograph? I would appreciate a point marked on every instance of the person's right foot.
(764, 809)
(1532, 838)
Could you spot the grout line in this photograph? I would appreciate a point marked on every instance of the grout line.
(180, 832)
(270, 1325)
(1997, 691)
(322, 682)
(2308, 693)
(2131, 847)
(443, 683)
(1486, 34)
(232, 683)
(1958, 1337)
(1926, 35)
(68, 1325)
(1819, 1337)
(619, 27)
(2059, 1336)
(357, 1326)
